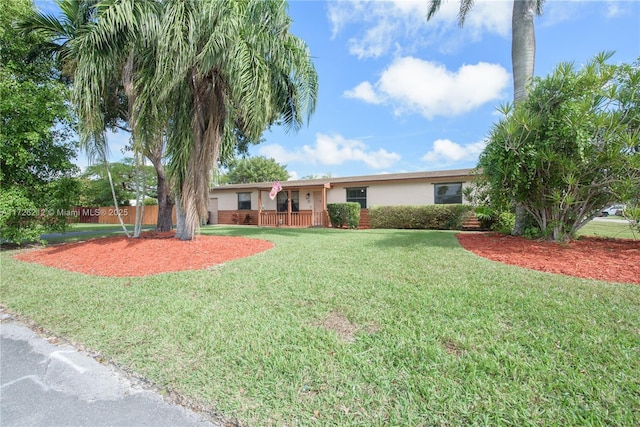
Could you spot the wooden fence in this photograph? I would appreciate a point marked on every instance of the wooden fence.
(109, 214)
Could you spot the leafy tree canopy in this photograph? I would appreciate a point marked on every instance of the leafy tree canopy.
(256, 169)
(96, 190)
(570, 149)
(317, 176)
(35, 125)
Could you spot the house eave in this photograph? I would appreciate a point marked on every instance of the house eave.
(435, 176)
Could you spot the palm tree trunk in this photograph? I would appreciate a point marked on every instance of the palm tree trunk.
(523, 47)
(115, 199)
(523, 53)
(165, 199)
(180, 221)
(207, 124)
(140, 194)
(165, 203)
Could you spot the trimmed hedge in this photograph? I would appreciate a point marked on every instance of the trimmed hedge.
(344, 214)
(433, 217)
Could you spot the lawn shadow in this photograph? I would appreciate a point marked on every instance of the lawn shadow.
(416, 239)
(255, 231)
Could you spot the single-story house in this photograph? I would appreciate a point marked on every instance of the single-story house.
(303, 203)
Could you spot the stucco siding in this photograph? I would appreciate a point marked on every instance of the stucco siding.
(390, 194)
(228, 200)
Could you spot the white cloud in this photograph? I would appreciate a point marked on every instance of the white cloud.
(332, 150)
(445, 152)
(279, 153)
(402, 24)
(365, 92)
(428, 88)
(558, 12)
(616, 8)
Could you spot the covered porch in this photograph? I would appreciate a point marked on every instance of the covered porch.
(294, 206)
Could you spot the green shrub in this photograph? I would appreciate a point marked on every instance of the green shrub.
(504, 222)
(632, 214)
(344, 214)
(486, 215)
(435, 217)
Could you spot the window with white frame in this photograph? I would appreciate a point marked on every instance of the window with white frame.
(244, 201)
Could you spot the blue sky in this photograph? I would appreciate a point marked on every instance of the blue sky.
(400, 94)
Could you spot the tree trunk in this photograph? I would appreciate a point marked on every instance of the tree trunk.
(181, 231)
(521, 215)
(523, 47)
(165, 199)
(165, 205)
(207, 124)
(113, 194)
(523, 53)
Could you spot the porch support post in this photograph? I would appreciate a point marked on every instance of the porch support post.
(325, 214)
(289, 207)
(259, 207)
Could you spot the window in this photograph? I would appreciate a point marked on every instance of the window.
(283, 202)
(244, 201)
(358, 195)
(447, 194)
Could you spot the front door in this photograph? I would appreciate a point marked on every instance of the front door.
(318, 209)
(213, 211)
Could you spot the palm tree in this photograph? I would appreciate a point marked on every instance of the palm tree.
(94, 36)
(77, 17)
(221, 67)
(523, 52)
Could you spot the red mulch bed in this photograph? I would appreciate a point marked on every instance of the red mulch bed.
(153, 253)
(612, 260)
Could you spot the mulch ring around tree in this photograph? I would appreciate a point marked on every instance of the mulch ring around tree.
(152, 253)
(611, 260)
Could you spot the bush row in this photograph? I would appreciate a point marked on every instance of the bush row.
(344, 214)
(433, 217)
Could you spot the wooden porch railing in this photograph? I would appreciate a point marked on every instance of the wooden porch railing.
(298, 219)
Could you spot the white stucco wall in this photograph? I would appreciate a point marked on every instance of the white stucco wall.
(390, 194)
(228, 200)
(378, 194)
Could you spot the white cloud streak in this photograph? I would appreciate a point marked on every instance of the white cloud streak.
(365, 92)
(446, 152)
(402, 24)
(332, 150)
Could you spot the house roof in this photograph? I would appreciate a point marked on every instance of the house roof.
(364, 179)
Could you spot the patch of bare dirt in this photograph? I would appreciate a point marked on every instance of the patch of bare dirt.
(344, 328)
(152, 253)
(611, 260)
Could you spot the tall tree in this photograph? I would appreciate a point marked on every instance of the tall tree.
(97, 192)
(77, 17)
(94, 36)
(36, 185)
(222, 66)
(570, 148)
(523, 52)
(256, 169)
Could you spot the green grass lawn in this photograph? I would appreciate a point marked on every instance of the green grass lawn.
(358, 328)
(609, 228)
(91, 231)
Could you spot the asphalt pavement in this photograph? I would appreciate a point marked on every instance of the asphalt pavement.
(44, 384)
